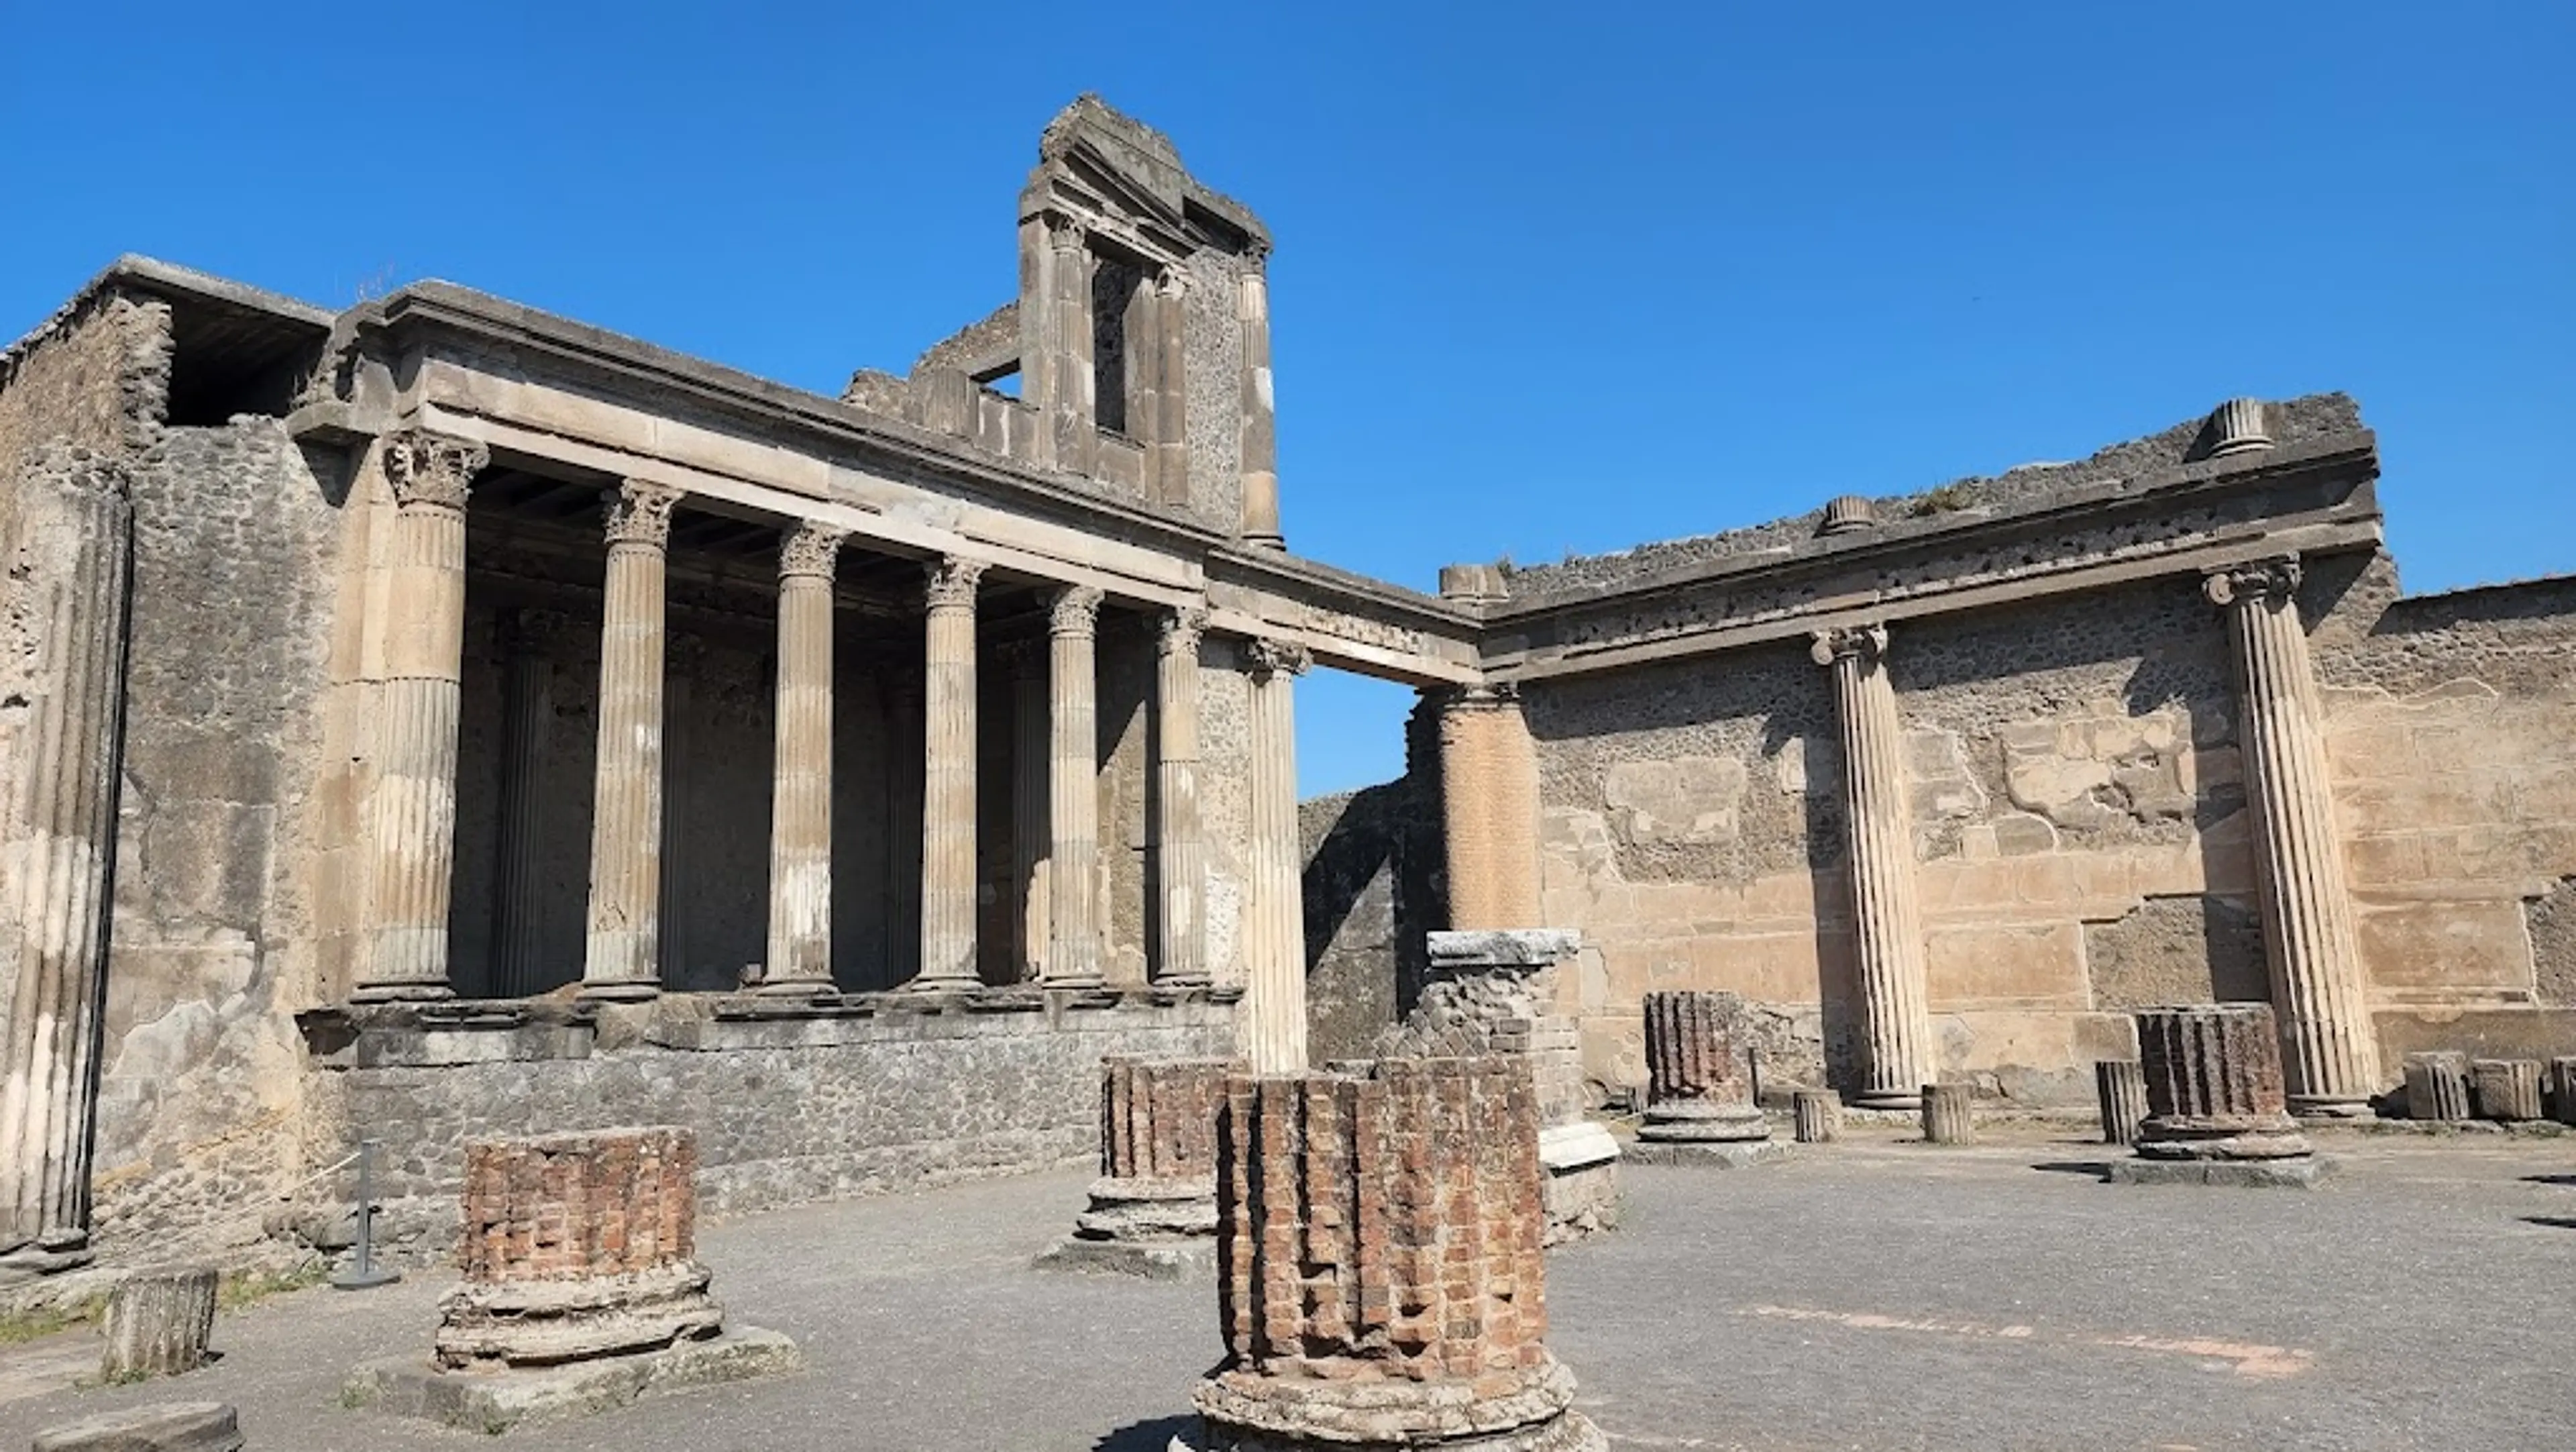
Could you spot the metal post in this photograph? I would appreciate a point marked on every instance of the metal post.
(364, 1272)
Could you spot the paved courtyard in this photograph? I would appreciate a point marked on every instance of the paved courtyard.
(1877, 1296)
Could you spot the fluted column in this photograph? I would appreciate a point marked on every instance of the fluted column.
(800, 813)
(77, 524)
(1259, 437)
(1172, 389)
(1887, 923)
(1179, 838)
(2309, 942)
(1274, 994)
(413, 811)
(1489, 809)
(1073, 789)
(948, 778)
(1031, 832)
(1057, 361)
(518, 914)
(622, 953)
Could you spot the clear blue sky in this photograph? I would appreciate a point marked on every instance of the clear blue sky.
(1548, 278)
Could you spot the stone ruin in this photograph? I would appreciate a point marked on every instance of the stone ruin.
(1381, 1281)
(582, 1288)
(1699, 1091)
(2217, 1111)
(1153, 1209)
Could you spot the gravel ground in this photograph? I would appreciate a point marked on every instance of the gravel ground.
(1879, 1295)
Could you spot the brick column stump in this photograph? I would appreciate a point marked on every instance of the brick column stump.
(2437, 1087)
(1699, 1101)
(582, 1288)
(2217, 1109)
(1153, 1209)
(1381, 1284)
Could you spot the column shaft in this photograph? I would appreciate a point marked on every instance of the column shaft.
(1489, 810)
(1172, 391)
(1179, 866)
(800, 814)
(1274, 997)
(1259, 436)
(1887, 923)
(76, 518)
(518, 915)
(412, 813)
(948, 778)
(1031, 831)
(622, 956)
(1073, 790)
(2309, 940)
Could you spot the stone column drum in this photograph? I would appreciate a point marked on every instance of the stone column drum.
(2215, 1098)
(948, 778)
(2562, 1089)
(1180, 837)
(1696, 1089)
(2121, 1087)
(622, 959)
(1895, 1011)
(2437, 1087)
(800, 813)
(1380, 1280)
(1073, 790)
(1274, 995)
(1818, 1116)
(1949, 1114)
(74, 523)
(2506, 1089)
(1153, 1209)
(412, 811)
(2309, 938)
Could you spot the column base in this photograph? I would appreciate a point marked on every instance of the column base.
(2330, 1106)
(1908, 1100)
(796, 988)
(617, 992)
(401, 992)
(1079, 982)
(1529, 1410)
(938, 987)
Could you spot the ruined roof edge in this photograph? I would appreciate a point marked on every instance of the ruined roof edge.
(151, 274)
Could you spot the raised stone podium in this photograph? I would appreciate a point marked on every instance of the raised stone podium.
(1153, 1209)
(582, 1288)
(1381, 1282)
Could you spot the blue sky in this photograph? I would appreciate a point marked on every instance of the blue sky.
(1547, 279)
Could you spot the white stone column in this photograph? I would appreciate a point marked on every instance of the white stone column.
(1056, 362)
(2329, 1048)
(412, 813)
(527, 716)
(622, 952)
(800, 813)
(1032, 833)
(1259, 433)
(1274, 995)
(948, 778)
(1179, 846)
(1489, 809)
(1887, 921)
(1172, 389)
(1073, 789)
(76, 525)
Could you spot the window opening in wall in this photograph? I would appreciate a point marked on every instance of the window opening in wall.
(1114, 284)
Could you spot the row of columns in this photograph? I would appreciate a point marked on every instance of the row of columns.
(1056, 810)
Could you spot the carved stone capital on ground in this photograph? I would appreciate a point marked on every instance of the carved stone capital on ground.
(1865, 643)
(432, 470)
(1180, 631)
(1265, 656)
(639, 513)
(2255, 582)
(952, 584)
(1075, 611)
(811, 549)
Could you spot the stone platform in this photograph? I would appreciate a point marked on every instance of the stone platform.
(2299, 1173)
(496, 1401)
(1725, 1154)
(1153, 1260)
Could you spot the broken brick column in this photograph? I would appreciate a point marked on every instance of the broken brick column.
(1697, 1091)
(1381, 1284)
(1489, 809)
(577, 1245)
(2309, 938)
(1887, 919)
(1153, 1209)
(2214, 1091)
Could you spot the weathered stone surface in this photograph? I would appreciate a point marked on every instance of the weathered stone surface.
(162, 1427)
(2437, 1086)
(2506, 1089)
(492, 1403)
(2213, 1074)
(1818, 1116)
(2122, 1088)
(1696, 1084)
(158, 1323)
(1949, 1114)
(2562, 1089)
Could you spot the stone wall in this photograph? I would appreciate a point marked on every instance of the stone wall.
(96, 375)
(788, 1106)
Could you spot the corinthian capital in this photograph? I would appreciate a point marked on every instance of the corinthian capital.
(640, 513)
(1076, 611)
(1864, 643)
(1181, 630)
(952, 582)
(812, 548)
(1264, 656)
(2256, 582)
(433, 470)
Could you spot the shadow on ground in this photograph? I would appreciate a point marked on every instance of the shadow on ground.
(1153, 1436)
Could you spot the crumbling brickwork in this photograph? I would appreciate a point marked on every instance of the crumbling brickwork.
(598, 1203)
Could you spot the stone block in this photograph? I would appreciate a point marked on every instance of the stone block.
(162, 1427)
(1949, 1114)
(159, 1322)
(2506, 1089)
(2121, 1086)
(1713, 1154)
(490, 1403)
(2301, 1173)
(2562, 1089)
(2437, 1087)
(1818, 1116)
